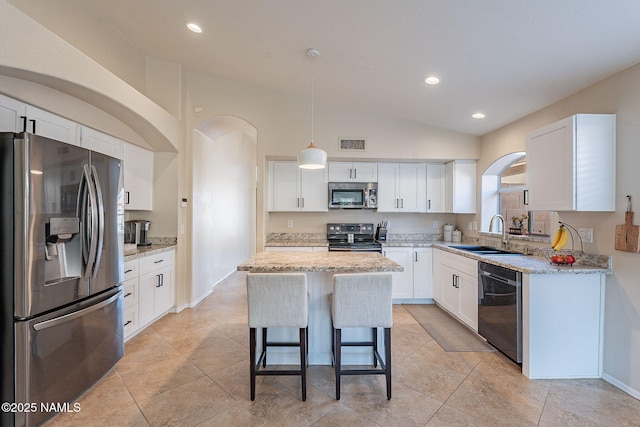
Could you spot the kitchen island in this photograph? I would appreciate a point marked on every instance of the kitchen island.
(320, 268)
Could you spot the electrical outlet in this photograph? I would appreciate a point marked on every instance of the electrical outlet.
(475, 225)
(290, 223)
(435, 224)
(470, 225)
(586, 234)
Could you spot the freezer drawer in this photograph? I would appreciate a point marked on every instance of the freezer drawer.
(61, 354)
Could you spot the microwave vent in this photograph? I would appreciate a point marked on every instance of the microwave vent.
(358, 144)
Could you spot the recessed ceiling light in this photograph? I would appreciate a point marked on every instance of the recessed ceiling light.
(193, 27)
(478, 116)
(432, 80)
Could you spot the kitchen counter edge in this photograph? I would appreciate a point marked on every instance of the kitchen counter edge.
(144, 251)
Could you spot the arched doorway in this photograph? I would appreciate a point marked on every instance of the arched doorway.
(224, 161)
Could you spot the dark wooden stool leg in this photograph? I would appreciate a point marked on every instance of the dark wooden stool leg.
(374, 339)
(337, 362)
(303, 362)
(387, 361)
(252, 361)
(264, 347)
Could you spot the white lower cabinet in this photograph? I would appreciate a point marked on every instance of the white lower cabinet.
(458, 283)
(149, 290)
(416, 281)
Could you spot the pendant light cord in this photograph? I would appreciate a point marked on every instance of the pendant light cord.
(312, 93)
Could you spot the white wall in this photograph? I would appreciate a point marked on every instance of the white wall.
(618, 94)
(223, 206)
(283, 124)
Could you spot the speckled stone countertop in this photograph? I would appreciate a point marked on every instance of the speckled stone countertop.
(143, 251)
(332, 262)
(527, 263)
(296, 239)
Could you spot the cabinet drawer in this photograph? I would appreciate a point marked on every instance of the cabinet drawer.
(130, 318)
(155, 262)
(130, 269)
(460, 263)
(130, 292)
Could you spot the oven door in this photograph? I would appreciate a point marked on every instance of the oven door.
(61, 354)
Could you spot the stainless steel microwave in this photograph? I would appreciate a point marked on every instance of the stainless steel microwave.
(353, 195)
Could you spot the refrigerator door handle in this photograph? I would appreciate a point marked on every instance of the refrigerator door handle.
(58, 320)
(100, 224)
(93, 230)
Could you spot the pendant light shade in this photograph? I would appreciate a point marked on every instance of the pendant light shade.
(312, 157)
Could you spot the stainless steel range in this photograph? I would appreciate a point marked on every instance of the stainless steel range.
(352, 238)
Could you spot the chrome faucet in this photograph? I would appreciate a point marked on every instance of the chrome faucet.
(505, 236)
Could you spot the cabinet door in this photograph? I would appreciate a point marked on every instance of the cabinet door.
(365, 172)
(138, 178)
(450, 299)
(284, 186)
(437, 275)
(388, 200)
(155, 294)
(412, 187)
(101, 142)
(468, 294)
(402, 281)
(461, 186)
(340, 171)
(51, 126)
(435, 187)
(314, 191)
(11, 113)
(422, 273)
(550, 167)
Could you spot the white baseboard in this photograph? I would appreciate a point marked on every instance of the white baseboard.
(622, 386)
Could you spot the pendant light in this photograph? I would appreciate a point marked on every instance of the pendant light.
(312, 157)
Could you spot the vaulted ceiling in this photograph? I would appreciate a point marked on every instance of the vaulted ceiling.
(504, 58)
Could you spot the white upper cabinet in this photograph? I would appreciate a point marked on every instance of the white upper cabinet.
(436, 200)
(16, 116)
(402, 187)
(294, 189)
(138, 178)
(102, 143)
(353, 171)
(460, 185)
(571, 164)
(51, 126)
(11, 113)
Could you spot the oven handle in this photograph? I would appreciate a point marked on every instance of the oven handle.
(62, 319)
(354, 250)
(500, 279)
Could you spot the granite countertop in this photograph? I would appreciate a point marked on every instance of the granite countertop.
(143, 251)
(332, 262)
(527, 263)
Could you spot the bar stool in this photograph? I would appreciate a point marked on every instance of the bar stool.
(362, 300)
(277, 300)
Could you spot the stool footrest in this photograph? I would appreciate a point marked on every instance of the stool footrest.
(358, 344)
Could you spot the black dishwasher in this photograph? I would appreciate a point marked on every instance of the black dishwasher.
(500, 308)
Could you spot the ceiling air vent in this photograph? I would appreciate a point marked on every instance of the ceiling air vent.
(358, 144)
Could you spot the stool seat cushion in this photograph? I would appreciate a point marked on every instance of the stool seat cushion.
(362, 300)
(277, 300)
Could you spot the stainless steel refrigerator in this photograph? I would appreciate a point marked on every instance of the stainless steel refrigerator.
(62, 250)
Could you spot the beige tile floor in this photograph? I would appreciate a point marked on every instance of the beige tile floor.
(191, 369)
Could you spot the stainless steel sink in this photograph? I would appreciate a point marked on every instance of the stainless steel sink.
(484, 250)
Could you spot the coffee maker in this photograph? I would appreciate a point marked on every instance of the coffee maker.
(137, 231)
